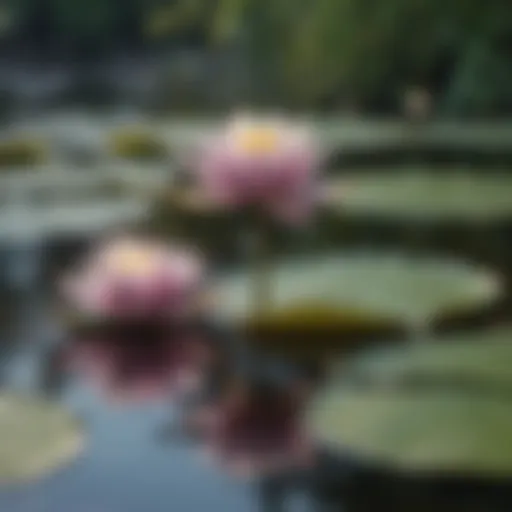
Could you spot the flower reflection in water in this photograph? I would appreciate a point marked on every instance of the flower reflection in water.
(132, 367)
(255, 428)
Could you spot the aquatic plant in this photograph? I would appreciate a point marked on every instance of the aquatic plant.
(137, 144)
(267, 169)
(136, 279)
(266, 163)
(39, 437)
(21, 153)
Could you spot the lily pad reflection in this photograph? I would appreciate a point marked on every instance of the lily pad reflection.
(37, 437)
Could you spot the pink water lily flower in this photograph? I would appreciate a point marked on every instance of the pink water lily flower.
(266, 162)
(136, 279)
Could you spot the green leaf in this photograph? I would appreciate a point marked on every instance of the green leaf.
(443, 406)
(37, 437)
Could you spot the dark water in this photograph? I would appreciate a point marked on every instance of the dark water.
(124, 468)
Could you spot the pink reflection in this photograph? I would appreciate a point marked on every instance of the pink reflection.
(130, 278)
(250, 435)
(266, 162)
(130, 369)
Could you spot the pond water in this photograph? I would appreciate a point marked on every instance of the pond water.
(124, 467)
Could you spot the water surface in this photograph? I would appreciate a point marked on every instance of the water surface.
(124, 467)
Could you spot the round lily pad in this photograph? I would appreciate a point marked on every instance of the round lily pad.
(312, 332)
(425, 195)
(21, 154)
(445, 407)
(479, 360)
(375, 286)
(317, 314)
(38, 437)
(339, 303)
(137, 143)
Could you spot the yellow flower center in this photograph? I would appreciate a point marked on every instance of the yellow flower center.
(259, 140)
(131, 261)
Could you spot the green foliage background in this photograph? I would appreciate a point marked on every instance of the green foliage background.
(312, 52)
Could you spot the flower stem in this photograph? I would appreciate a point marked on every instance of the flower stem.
(262, 270)
(418, 331)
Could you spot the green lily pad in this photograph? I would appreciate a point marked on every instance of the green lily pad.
(316, 315)
(422, 194)
(312, 332)
(436, 432)
(481, 360)
(137, 143)
(441, 407)
(36, 437)
(387, 286)
(21, 154)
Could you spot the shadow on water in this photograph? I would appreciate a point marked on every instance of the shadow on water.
(356, 486)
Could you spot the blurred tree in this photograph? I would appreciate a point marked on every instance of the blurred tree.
(86, 23)
(362, 48)
(310, 49)
(307, 52)
(313, 49)
(171, 20)
(35, 22)
(78, 26)
(227, 20)
(481, 83)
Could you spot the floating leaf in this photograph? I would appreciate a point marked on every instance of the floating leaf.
(444, 406)
(422, 194)
(480, 361)
(388, 286)
(37, 437)
(137, 143)
(21, 153)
